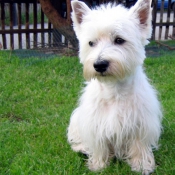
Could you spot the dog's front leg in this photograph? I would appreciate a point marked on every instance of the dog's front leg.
(99, 156)
(141, 158)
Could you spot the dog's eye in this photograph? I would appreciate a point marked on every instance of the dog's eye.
(91, 44)
(119, 41)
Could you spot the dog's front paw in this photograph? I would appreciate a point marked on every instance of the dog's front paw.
(145, 166)
(144, 171)
(147, 172)
(96, 165)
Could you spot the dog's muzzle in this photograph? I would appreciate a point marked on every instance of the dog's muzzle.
(101, 65)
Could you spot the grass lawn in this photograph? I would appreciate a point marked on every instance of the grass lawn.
(37, 97)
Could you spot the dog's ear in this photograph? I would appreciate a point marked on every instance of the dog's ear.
(143, 12)
(79, 10)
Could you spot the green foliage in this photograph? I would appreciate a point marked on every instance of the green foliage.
(23, 18)
(37, 97)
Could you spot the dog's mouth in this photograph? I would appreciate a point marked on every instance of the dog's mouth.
(103, 74)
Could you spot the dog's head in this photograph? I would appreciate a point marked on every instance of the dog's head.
(111, 38)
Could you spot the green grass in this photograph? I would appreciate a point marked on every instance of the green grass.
(23, 18)
(37, 97)
(161, 71)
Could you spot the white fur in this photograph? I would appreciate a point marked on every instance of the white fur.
(118, 113)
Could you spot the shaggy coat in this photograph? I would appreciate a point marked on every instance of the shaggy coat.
(118, 112)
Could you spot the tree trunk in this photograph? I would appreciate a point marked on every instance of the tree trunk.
(63, 25)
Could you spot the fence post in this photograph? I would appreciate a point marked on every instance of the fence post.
(154, 17)
(15, 18)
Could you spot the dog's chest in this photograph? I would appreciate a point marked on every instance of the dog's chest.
(111, 111)
(110, 119)
(107, 108)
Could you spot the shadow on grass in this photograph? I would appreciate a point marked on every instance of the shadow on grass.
(155, 50)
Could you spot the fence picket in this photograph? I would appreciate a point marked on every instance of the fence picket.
(27, 26)
(19, 26)
(168, 20)
(11, 26)
(161, 19)
(35, 36)
(42, 27)
(174, 21)
(4, 43)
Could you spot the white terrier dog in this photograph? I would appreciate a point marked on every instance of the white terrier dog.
(118, 113)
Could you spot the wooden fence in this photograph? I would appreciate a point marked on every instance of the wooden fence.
(163, 17)
(33, 27)
(31, 24)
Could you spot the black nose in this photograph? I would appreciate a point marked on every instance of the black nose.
(101, 65)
